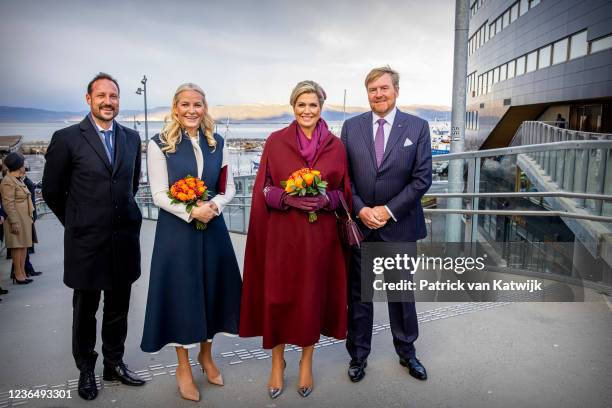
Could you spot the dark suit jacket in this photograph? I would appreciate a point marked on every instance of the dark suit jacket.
(402, 179)
(95, 203)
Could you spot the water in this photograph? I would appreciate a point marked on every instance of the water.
(42, 132)
(242, 162)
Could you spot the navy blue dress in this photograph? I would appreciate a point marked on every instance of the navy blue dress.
(195, 283)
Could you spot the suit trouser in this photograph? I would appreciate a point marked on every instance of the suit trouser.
(114, 326)
(402, 316)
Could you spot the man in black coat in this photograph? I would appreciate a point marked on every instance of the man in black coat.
(91, 176)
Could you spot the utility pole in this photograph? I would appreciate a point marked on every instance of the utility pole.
(455, 167)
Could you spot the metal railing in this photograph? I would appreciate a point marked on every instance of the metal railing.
(484, 202)
(237, 212)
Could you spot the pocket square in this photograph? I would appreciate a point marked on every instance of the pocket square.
(407, 142)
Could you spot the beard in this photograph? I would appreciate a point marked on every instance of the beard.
(98, 113)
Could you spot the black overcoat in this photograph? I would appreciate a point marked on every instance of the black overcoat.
(94, 200)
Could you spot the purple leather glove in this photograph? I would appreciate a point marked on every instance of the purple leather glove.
(306, 203)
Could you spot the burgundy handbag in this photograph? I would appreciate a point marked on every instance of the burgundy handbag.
(348, 229)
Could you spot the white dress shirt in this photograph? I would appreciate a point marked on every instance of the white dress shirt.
(99, 130)
(158, 180)
(386, 127)
(387, 131)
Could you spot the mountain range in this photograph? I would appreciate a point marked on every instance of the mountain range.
(221, 113)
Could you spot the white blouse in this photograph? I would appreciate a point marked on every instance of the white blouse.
(158, 180)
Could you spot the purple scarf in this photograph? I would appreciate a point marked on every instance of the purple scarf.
(309, 147)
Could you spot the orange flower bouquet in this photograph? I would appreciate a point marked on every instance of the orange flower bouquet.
(189, 191)
(303, 182)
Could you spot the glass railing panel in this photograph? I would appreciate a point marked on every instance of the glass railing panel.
(607, 206)
(595, 179)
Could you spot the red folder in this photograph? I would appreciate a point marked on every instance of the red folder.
(222, 183)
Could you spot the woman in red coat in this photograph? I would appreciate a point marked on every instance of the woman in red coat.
(294, 283)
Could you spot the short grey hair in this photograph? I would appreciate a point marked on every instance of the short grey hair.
(376, 73)
(307, 87)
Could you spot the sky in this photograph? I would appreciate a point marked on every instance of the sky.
(239, 52)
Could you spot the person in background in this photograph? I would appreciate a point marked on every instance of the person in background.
(16, 202)
(29, 268)
(560, 121)
(2, 218)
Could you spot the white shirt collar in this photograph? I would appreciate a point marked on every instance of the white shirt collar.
(101, 129)
(389, 118)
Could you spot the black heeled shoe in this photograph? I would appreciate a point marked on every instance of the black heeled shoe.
(276, 392)
(3, 291)
(305, 391)
(23, 282)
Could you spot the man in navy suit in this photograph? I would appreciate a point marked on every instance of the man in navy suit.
(389, 154)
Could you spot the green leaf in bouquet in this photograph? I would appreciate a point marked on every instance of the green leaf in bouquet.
(283, 184)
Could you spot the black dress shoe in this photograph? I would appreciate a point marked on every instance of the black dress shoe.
(3, 291)
(33, 273)
(87, 385)
(356, 370)
(121, 373)
(415, 368)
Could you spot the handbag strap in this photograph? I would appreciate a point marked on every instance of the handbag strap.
(344, 205)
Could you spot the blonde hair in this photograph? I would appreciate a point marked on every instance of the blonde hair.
(307, 87)
(171, 133)
(376, 73)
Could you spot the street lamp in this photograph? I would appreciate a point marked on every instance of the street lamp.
(143, 91)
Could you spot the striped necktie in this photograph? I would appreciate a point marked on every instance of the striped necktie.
(379, 141)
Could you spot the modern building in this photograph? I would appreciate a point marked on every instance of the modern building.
(533, 60)
(541, 70)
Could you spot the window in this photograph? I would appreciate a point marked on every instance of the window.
(502, 72)
(520, 66)
(479, 91)
(489, 81)
(559, 51)
(507, 18)
(532, 61)
(514, 12)
(492, 30)
(601, 44)
(534, 3)
(511, 65)
(578, 45)
(498, 25)
(478, 39)
(496, 75)
(544, 57)
(524, 6)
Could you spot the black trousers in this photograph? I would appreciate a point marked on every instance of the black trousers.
(402, 316)
(114, 326)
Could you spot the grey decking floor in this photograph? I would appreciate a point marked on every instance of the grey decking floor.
(477, 354)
